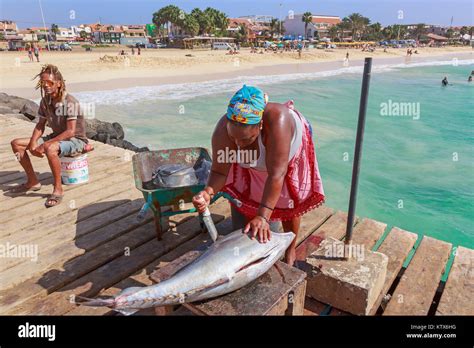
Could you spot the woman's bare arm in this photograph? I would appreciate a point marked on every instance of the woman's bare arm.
(278, 135)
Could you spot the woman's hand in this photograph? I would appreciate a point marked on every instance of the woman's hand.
(201, 201)
(259, 226)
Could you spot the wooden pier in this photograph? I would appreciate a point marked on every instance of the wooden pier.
(92, 244)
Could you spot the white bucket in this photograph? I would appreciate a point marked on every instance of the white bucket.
(74, 170)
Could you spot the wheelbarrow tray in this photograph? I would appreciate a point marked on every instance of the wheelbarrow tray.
(144, 163)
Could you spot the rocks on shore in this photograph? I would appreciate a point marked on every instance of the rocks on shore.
(105, 132)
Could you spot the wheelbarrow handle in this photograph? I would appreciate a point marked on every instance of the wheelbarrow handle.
(228, 197)
(147, 205)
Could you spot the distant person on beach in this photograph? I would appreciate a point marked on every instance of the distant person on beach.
(138, 50)
(445, 82)
(30, 53)
(274, 173)
(62, 113)
(347, 55)
(36, 51)
(133, 51)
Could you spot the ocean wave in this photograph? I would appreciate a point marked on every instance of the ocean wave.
(185, 91)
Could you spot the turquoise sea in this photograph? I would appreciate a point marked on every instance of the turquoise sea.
(417, 170)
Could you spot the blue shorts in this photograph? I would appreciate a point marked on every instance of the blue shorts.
(67, 148)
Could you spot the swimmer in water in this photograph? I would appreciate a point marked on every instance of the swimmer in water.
(445, 82)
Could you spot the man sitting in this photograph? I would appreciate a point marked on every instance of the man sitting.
(61, 112)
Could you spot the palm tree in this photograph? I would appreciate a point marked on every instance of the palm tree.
(190, 25)
(55, 30)
(219, 20)
(388, 32)
(333, 32)
(374, 32)
(357, 24)
(419, 30)
(307, 18)
(399, 31)
(203, 19)
(276, 27)
(166, 15)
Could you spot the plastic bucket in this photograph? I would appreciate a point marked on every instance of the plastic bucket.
(74, 170)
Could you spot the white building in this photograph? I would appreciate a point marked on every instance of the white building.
(319, 25)
(66, 34)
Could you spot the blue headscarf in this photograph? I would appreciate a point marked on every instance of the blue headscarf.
(247, 105)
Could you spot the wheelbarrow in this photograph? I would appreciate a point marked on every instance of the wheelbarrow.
(166, 202)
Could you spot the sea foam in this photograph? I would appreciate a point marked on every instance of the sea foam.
(185, 91)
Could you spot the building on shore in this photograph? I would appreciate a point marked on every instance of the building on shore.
(259, 19)
(319, 26)
(65, 35)
(106, 33)
(252, 29)
(134, 34)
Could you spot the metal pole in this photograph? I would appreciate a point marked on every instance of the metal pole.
(279, 32)
(358, 147)
(44, 24)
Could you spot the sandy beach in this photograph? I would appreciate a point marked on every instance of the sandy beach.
(103, 69)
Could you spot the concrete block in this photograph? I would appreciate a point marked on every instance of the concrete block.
(351, 285)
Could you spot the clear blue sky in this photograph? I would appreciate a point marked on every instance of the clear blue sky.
(27, 13)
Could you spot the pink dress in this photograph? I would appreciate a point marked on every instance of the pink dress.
(302, 189)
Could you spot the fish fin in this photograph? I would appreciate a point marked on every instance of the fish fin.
(95, 302)
(197, 291)
(130, 290)
(126, 311)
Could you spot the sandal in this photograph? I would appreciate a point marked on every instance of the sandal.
(22, 188)
(57, 199)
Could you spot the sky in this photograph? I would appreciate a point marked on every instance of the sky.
(72, 12)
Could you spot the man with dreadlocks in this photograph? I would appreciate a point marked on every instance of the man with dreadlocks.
(61, 112)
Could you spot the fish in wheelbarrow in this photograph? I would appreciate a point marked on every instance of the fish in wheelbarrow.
(232, 262)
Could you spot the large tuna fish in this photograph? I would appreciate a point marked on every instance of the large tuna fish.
(232, 262)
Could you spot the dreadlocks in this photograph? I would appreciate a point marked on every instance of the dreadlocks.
(53, 70)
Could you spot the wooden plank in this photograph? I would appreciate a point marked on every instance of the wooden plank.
(16, 220)
(12, 200)
(397, 245)
(312, 220)
(416, 290)
(95, 163)
(129, 207)
(334, 227)
(313, 307)
(71, 242)
(56, 265)
(368, 232)
(76, 216)
(458, 294)
(57, 303)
